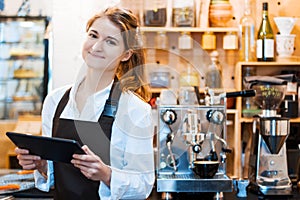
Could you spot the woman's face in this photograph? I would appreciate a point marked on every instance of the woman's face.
(104, 47)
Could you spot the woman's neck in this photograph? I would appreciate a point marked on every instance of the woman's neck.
(94, 81)
(97, 80)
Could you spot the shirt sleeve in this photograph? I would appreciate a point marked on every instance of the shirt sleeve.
(41, 182)
(132, 159)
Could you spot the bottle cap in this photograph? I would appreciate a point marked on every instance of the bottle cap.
(265, 6)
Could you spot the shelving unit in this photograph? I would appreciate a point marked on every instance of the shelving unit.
(190, 29)
(24, 65)
(177, 60)
(262, 68)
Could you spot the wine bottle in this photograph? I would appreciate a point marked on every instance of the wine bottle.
(247, 38)
(265, 38)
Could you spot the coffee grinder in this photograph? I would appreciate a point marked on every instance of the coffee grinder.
(268, 171)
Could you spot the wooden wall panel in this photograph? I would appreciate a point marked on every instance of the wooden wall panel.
(287, 8)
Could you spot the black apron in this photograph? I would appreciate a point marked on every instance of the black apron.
(70, 183)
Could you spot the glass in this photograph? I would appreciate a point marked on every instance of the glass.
(230, 41)
(209, 41)
(213, 75)
(155, 13)
(185, 41)
(269, 97)
(247, 38)
(187, 96)
(183, 13)
(189, 77)
(161, 40)
(249, 109)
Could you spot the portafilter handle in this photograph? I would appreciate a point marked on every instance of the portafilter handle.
(243, 93)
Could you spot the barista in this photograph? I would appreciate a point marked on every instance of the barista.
(112, 58)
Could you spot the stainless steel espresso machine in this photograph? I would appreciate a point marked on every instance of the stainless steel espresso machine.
(190, 133)
(268, 171)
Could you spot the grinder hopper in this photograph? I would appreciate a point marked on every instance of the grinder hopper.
(273, 129)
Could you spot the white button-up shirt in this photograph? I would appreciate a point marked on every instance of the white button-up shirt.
(131, 152)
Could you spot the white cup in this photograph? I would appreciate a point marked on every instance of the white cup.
(168, 97)
(285, 45)
(187, 96)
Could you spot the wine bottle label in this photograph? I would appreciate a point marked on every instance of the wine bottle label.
(265, 48)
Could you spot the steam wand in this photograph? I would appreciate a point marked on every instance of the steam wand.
(169, 141)
(212, 156)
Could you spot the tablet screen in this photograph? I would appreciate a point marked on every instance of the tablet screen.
(48, 148)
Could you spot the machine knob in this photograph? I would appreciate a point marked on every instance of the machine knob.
(169, 116)
(197, 148)
(215, 116)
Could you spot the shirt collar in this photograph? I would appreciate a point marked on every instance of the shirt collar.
(98, 99)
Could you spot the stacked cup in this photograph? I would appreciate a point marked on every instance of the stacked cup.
(285, 40)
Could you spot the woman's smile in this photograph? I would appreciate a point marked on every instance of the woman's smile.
(95, 54)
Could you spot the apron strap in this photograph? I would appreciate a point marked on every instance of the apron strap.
(61, 105)
(106, 118)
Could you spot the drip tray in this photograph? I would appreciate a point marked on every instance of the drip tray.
(193, 183)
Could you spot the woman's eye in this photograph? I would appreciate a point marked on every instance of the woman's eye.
(92, 35)
(111, 42)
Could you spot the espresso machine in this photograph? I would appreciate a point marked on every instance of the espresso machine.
(268, 171)
(189, 133)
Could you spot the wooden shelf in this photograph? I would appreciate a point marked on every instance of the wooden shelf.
(250, 120)
(189, 29)
(294, 62)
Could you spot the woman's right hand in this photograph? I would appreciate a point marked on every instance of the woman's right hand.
(30, 162)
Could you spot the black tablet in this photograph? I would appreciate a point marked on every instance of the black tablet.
(48, 148)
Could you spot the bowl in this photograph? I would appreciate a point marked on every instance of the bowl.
(285, 25)
(206, 169)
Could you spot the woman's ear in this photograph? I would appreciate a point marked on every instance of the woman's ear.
(127, 55)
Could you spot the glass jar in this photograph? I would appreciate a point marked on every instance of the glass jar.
(213, 76)
(249, 109)
(161, 40)
(185, 41)
(183, 13)
(155, 13)
(209, 41)
(189, 77)
(230, 41)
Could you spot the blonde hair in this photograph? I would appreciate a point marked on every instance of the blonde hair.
(131, 73)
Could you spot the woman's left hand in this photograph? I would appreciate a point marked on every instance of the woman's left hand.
(92, 166)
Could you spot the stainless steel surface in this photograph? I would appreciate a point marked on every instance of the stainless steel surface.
(268, 171)
(198, 132)
(193, 183)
